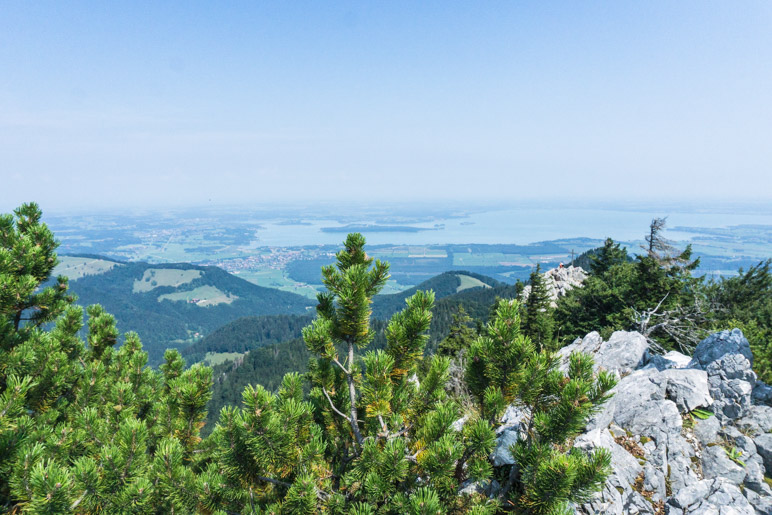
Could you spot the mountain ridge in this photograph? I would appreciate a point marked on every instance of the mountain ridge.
(176, 314)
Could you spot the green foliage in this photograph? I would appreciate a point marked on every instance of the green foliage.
(247, 333)
(701, 414)
(538, 323)
(506, 367)
(607, 256)
(735, 455)
(745, 302)
(90, 428)
(368, 430)
(269, 363)
(655, 294)
(85, 427)
(460, 337)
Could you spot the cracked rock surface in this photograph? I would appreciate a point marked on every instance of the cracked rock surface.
(672, 461)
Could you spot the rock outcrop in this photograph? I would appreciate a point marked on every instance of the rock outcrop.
(665, 457)
(559, 281)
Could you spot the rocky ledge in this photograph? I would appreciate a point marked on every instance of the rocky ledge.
(687, 435)
(559, 281)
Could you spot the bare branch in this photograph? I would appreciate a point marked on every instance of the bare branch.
(336, 410)
(274, 482)
(681, 324)
(383, 426)
(78, 500)
(344, 369)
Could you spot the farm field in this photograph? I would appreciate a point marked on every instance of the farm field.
(468, 281)
(202, 296)
(157, 277)
(217, 358)
(77, 267)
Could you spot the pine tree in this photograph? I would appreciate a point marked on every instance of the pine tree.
(460, 337)
(667, 301)
(369, 430)
(656, 295)
(538, 322)
(504, 368)
(745, 302)
(610, 254)
(86, 429)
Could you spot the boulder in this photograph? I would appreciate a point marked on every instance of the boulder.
(590, 344)
(754, 478)
(622, 353)
(757, 420)
(558, 282)
(680, 469)
(625, 466)
(717, 464)
(458, 425)
(718, 345)
(672, 359)
(762, 394)
(501, 454)
(470, 487)
(707, 430)
(687, 388)
(732, 399)
(617, 494)
(654, 481)
(653, 418)
(738, 439)
(763, 444)
(513, 417)
(710, 496)
(732, 367)
(763, 504)
(690, 463)
(728, 361)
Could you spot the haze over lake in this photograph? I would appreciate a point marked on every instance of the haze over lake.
(512, 225)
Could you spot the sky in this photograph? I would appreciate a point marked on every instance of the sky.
(120, 104)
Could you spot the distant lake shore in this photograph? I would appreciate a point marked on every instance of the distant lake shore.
(378, 228)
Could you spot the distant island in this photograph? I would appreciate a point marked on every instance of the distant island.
(378, 228)
(293, 222)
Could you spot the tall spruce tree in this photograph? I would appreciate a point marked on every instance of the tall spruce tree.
(656, 294)
(460, 337)
(610, 254)
(538, 322)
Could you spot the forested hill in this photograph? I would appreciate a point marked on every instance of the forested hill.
(443, 285)
(245, 334)
(168, 304)
(267, 364)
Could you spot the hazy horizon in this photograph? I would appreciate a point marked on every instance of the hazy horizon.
(153, 105)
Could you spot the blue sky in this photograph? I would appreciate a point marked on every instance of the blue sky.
(106, 104)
